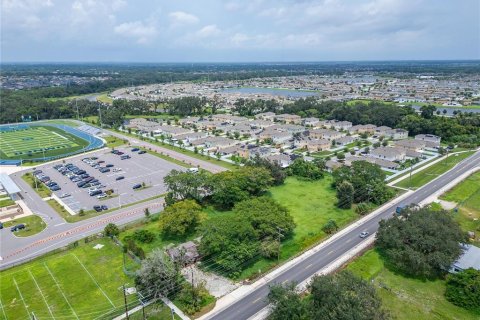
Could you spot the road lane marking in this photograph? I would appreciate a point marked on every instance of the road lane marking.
(330, 253)
(349, 240)
(311, 264)
(256, 300)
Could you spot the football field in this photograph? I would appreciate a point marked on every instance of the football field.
(37, 142)
(82, 283)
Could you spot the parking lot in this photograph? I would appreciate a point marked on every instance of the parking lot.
(145, 170)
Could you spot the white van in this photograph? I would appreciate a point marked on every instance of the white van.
(193, 170)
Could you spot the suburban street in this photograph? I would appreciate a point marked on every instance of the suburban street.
(254, 302)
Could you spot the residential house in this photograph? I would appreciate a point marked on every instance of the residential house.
(289, 118)
(189, 137)
(415, 145)
(470, 258)
(185, 253)
(269, 116)
(325, 134)
(339, 125)
(170, 131)
(363, 128)
(430, 140)
(343, 141)
(238, 150)
(284, 160)
(388, 153)
(261, 151)
(313, 145)
(331, 165)
(310, 122)
(260, 124)
(213, 142)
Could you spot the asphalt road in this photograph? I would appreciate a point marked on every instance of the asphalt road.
(171, 153)
(252, 303)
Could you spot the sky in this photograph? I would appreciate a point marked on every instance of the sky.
(238, 30)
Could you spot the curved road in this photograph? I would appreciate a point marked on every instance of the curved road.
(254, 302)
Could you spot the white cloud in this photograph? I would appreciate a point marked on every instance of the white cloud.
(182, 18)
(208, 31)
(138, 30)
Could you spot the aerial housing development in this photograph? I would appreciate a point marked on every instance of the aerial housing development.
(240, 160)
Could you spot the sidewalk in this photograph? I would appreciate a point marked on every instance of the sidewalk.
(244, 290)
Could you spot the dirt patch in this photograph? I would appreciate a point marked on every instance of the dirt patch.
(217, 286)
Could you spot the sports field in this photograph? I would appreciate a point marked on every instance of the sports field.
(26, 142)
(82, 283)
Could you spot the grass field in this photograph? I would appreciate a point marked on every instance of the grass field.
(41, 189)
(407, 298)
(38, 142)
(467, 196)
(81, 283)
(428, 174)
(113, 142)
(311, 204)
(33, 225)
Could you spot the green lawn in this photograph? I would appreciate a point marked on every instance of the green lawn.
(407, 298)
(81, 283)
(167, 158)
(33, 225)
(467, 196)
(38, 142)
(312, 204)
(5, 202)
(113, 142)
(428, 174)
(41, 189)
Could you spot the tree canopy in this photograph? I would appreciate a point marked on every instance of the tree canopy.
(338, 296)
(180, 218)
(463, 289)
(421, 242)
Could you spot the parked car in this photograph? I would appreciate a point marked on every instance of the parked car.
(120, 178)
(137, 186)
(135, 149)
(117, 169)
(93, 158)
(95, 193)
(1, 225)
(64, 195)
(101, 161)
(124, 157)
(97, 208)
(104, 170)
(17, 227)
(119, 153)
(38, 171)
(101, 196)
(104, 207)
(55, 188)
(81, 184)
(142, 152)
(109, 165)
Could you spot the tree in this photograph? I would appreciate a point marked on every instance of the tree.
(287, 304)
(422, 242)
(330, 227)
(345, 296)
(157, 276)
(428, 111)
(230, 187)
(180, 218)
(276, 171)
(305, 169)
(147, 212)
(186, 185)
(111, 230)
(463, 289)
(345, 195)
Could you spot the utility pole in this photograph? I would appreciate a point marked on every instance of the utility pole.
(410, 182)
(125, 301)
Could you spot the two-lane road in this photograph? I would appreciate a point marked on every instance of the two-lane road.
(252, 303)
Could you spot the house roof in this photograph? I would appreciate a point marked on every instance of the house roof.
(470, 258)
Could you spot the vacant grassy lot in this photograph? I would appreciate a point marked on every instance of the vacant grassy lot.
(33, 225)
(467, 196)
(81, 283)
(407, 298)
(428, 174)
(312, 204)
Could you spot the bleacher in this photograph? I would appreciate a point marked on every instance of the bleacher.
(89, 129)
